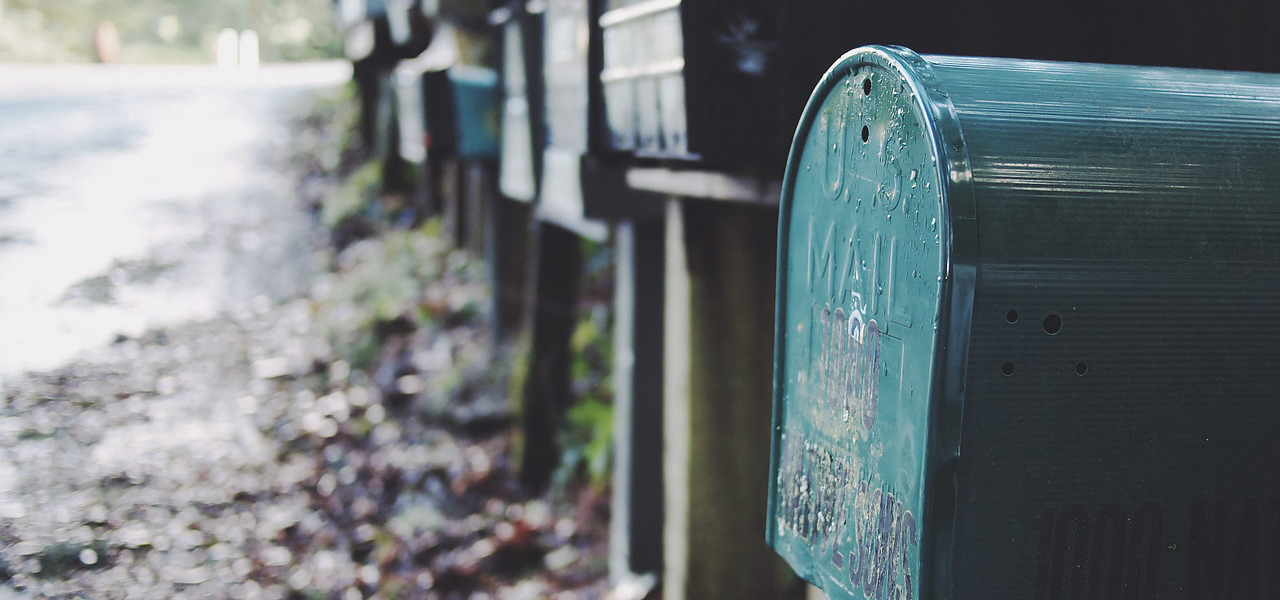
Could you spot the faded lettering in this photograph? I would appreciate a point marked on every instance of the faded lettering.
(833, 503)
(820, 263)
(1116, 554)
(1110, 557)
(824, 262)
(848, 366)
(1225, 546)
(833, 148)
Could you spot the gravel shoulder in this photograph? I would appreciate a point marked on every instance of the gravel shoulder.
(244, 456)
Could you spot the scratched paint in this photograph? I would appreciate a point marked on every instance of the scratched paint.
(859, 300)
(869, 533)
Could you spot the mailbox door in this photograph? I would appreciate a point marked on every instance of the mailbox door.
(565, 65)
(863, 279)
(410, 112)
(566, 41)
(643, 77)
(516, 165)
(475, 92)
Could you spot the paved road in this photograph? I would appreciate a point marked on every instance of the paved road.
(135, 197)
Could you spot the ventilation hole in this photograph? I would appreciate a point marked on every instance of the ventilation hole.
(1081, 369)
(1012, 316)
(1007, 369)
(866, 87)
(1052, 324)
(866, 134)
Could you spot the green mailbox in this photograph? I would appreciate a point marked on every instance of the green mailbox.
(1028, 332)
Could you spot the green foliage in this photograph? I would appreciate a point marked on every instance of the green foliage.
(326, 123)
(587, 437)
(402, 274)
(356, 196)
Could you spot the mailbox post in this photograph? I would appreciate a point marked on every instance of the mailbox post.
(1026, 332)
(559, 220)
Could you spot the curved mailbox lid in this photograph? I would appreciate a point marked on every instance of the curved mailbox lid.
(875, 246)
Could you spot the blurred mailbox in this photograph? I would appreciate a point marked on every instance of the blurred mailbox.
(566, 76)
(1026, 332)
(517, 176)
(682, 77)
(446, 107)
(711, 81)
(476, 92)
(426, 101)
(409, 26)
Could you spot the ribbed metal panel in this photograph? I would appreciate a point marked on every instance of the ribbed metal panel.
(1141, 207)
(1114, 162)
(1104, 421)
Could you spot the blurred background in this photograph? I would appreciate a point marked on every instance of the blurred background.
(428, 298)
(159, 31)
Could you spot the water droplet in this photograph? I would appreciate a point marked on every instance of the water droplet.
(914, 174)
(933, 224)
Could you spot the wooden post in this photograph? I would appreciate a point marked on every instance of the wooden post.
(478, 189)
(718, 403)
(635, 536)
(556, 268)
(366, 75)
(451, 200)
(507, 238)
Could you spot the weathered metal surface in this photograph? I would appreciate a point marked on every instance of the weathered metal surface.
(1026, 332)
(863, 272)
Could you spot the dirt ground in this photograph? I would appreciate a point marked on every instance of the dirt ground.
(243, 456)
